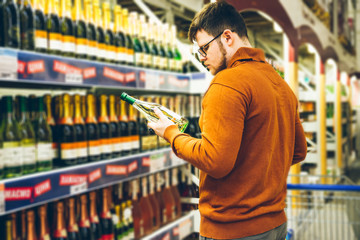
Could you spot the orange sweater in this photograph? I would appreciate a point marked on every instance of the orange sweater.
(251, 135)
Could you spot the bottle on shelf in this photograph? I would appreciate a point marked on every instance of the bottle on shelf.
(101, 52)
(51, 122)
(43, 227)
(30, 225)
(6, 223)
(147, 211)
(114, 129)
(66, 134)
(80, 131)
(154, 203)
(84, 221)
(134, 32)
(120, 230)
(92, 47)
(143, 132)
(43, 137)
(162, 143)
(155, 57)
(170, 63)
(161, 47)
(41, 41)
(12, 25)
(143, 34)
(130, 46)
(146, 108)
(191, 129)
(176, 53)
(27, 137)
(67, 29)
(94, 217)
(92, 129)
(104, 127)
(80, 31)
(53, 28)
(27, 25)
(175, 192)
(12, 151)
(167, 195)
(130, 220)
(106, 217)
(133, 131)
(137, 214)
(22, 223)
(119, 36)
(158, 194)
(109, 34)
(153, 138)
(72, 226)
(124, 128)
(59, 228)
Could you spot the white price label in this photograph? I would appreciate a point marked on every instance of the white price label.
(8, 64)
(73, 78)
(185, 228)
(75, 189)
(2, 198)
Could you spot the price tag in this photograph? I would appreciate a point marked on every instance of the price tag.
(152, 81)
(2, 198)
(75, 189)
(185, 228)
(73, 78)
(8, 64)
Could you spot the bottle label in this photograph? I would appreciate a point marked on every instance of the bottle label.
(111, 54)
(107, 237)
(172, 64)
(163, 142)
(29, 155)
(81, 46)
(41, 39)
(84, 223)
(156, 61)
(68, 44)
(126, 143)
(116, 144)
(101, 49)
(152, 141)
(139, 58)
(105, 146)
(44, 152)
(82, 149)
(145, 143)
(55, 41)
(130, 55)
(12, 154)
(55, 151)
(135, 143)
(147, 60)
(163, 63)
(94, 147)
(1, 158)
(68, 151)
(121, 54)
(45, 237)
(91, 48)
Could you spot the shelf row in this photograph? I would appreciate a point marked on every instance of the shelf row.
(39, 188)
(312, 126)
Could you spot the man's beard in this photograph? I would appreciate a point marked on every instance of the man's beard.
(222, 65)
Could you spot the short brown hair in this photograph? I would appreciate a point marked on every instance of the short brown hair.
(214, 18)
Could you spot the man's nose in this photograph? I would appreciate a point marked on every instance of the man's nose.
(202, 58)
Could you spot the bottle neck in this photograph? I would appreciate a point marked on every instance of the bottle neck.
(65, 117)
(83, 212)
(50, 118)
(112, 114)
(103, 116)
(43, 222)
(93, 211)
(123, 113)
(78, 11)
(105, 207)
(90, 105)
(77, 113)
(13, 225)
(88, 12)
(31, 234)
(144, 187)
(60, 223)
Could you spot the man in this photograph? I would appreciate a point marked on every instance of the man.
(251, 133)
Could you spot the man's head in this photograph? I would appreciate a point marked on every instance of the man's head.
(219, 31)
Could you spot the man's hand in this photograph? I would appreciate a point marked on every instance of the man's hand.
(160, 126)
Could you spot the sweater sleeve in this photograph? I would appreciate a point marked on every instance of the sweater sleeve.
(223, 116)
(300, 149)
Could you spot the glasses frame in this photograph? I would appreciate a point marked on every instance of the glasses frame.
(201, 49)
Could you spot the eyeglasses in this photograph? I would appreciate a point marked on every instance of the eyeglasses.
(202, 50)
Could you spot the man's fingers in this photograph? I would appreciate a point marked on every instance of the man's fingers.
(159, 113)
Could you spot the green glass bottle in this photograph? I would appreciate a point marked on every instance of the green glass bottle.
(28, 137)
(138, 47)
(91, 30)
(169, 52)
(155, 57)
(2, 25)
(1, 154)
(11, 25)
(101, 53)
(129, 42)
(109, 34)
(67, 29)
(161, 47)
(43, 137)
(27, 25)
(13, 163)
(53, 28)
(80, 31)
(41, 41)
(143, 32)
(177, 60)
(120, 39)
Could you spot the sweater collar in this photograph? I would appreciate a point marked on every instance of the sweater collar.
(246, 53)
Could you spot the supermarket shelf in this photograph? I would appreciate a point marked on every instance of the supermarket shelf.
(177, 230)
(311, 96)
(330, 122)
(39, 188)
(310, 126)
(311, 158)
(331, 146)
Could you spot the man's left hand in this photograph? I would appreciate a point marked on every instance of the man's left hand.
(160, 126)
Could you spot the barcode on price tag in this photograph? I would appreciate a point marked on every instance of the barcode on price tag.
(2, 198)
(8, 64)
(78, 188)
(73, 78)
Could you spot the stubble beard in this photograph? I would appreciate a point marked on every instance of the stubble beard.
(222, 64)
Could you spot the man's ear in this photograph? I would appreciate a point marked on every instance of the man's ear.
(228, 37)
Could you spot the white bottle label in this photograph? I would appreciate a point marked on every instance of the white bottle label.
(29, 155)
(81, 49)
(44, 152)
(1, 158)
(13, 157)
(106, 148)
(94, 150)
(127, 146)
(41, 42)
(68, 153)
(135, 144)
(82, 152)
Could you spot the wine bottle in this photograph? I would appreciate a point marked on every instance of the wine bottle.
(114, 129)
(80, 31)
(94, 218)
(67, 29)
(138, 48)
(28, 137)
(51, 121)
(175, 192)
(133, 131)
(158, 194)
(161, 47)
(169, 201)
(137, 214)
(109, 34)
(191, 129)
(129, 41)
(13, 159)
(162, 143)
(154, 203)
(7, 224)
(72, 226)
(169, 53)
(92, 130)
(144, 132)
(59, 228)
(53, 28)
(14, 225)
(41, 41)
(84, 222)
(27, 25)
(67, 135)
(124, 130)
(43, 228)
(11, 23)
(176, 52)
(104, 127)
(105, 217)
(119, 36)
(155, 58)
(91, 31)
(147, 108)
(101, 53)
(22, 224)
(143, 26)
(30, 225)
(80, 131)
(146, 208)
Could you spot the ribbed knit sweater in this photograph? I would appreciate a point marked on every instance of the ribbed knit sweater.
(251, 135)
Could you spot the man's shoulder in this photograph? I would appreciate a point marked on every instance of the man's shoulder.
(236, 77)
